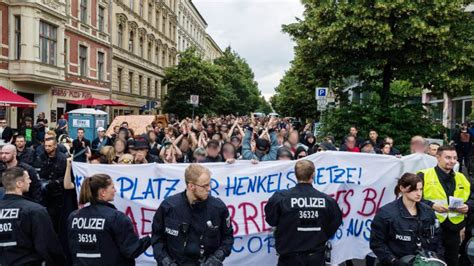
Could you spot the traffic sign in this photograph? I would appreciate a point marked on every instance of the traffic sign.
(322, 104)
(194, 100)
(321, 92)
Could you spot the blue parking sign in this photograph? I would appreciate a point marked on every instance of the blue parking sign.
(321, 92)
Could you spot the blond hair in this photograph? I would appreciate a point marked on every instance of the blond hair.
(194, 171)
(304, 170)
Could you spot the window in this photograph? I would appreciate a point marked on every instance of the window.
(150, 12)
(149, 51)
(148, 87)
(140, 84)
(17, 37)
(163, 24)
(83, 60)
(170, 28)
(101, 18)
(157, 55)
(84, 11)
(130, 81)
(170, 60)
(141, 8)
(130, 41)
(119, 79)
(66, 61)
(48, 43)
(157, 20)
(163, 58)
(156, 88)
(120, 36)
(100, 66)
(141, 47)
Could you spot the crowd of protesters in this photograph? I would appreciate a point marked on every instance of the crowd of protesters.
(191, 140)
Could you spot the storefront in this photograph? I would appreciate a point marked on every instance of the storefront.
(133, 105)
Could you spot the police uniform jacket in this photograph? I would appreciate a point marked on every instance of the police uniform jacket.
(101, 235)
(182, 231)
(27, 236)
(395, 232)
(304, 217)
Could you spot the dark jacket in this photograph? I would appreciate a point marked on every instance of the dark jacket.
(26, 156)
(179, 229)
(111, 240)
(51, 168)
(395, 232)
(7, 134)
(34, 192)
(30, 238)
(217, 159)
(304, 217)
(76, 150)
(96, 142)
(39, 150)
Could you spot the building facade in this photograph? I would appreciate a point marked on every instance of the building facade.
(143, 45)
(191, 27)
(54, 52)
(213, 51)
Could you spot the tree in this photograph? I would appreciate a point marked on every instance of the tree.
(193, 75)
(295, 96)
(427, 44)
(226, 86)
(239, 81)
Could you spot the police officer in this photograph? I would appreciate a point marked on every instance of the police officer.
(441, 186)
(405, 226)
(192, 227)
(305, 219)
(98, 233)
(8, 159)
(27, 236)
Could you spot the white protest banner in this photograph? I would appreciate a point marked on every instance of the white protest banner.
(361, 183)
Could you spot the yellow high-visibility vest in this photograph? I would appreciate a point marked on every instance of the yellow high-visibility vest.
(434, 191)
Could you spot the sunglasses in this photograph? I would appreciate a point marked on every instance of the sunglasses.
(301, 156)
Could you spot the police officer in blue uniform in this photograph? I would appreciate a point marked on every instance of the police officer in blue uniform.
(27, 236)
(192, 227)
(304, 219)
(98, 233)
(405, 226)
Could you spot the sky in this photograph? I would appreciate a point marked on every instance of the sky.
(253, 29)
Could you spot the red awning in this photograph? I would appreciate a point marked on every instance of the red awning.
(89, 102)
(115, 103)
(96, 102)
(9, 98)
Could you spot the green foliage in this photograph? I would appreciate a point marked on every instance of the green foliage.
(428, 44)
(400, 122)
(226, 86)
(294, 96)
(391, 50)
(192, 75)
